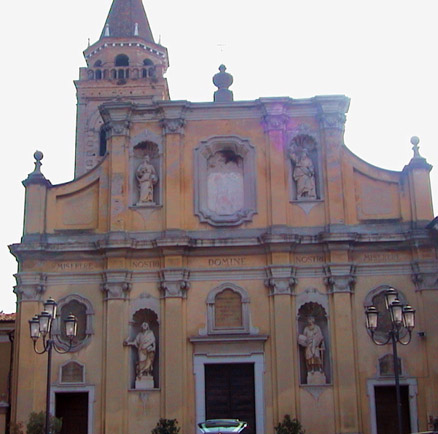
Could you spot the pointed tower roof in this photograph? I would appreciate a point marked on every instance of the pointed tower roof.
(127, 18)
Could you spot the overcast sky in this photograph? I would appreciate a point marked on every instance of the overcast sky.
(381, 54)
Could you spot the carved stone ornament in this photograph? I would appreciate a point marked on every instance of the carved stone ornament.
(225, 184)
(281, 279)
(116, 285)
(36, 177)
(425, 276)
(173, 126)
(275, 122)
(174, 282)
(333, 121)
(118, 128)
(340, 278)
(30, 286)
(315, 391)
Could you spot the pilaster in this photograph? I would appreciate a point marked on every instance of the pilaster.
(35, 199)
(29, 378)
(115, 374)
(275, 121)
(417, 172)
(281, 282)
(173, 132)
(332, 119)
(340, 284)
(174, 285)
(117, 117)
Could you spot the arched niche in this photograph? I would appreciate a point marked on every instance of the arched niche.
(145, 308)
(303, 153)
(146, 156)
(313, 338)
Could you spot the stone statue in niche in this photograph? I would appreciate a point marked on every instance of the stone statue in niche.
(303, 173)
(312, 340)
(146, 177)
(225, 183)
(146, 345)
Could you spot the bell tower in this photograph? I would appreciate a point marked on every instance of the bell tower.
(124, 64)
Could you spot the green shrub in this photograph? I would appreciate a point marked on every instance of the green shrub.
(37, 421)
(166, 426)
(289, 426)
(16, 428)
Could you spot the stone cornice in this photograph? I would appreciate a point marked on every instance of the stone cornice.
(287, 238)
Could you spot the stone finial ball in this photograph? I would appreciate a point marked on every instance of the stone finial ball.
(415, 140)
(38, 155)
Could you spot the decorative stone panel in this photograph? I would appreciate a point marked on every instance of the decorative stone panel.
(225, 181)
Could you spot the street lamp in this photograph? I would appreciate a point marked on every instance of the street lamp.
(41, 326)
(402, 319)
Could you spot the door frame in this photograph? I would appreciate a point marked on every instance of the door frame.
(413, 391)
(259, 367)
(75, 389)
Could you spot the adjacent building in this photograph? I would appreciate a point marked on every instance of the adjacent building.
(219, 257)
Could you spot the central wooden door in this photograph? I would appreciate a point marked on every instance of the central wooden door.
(73, 409)
(230, 393)
(386, 409)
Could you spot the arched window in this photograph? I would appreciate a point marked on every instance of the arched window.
(81, 308)
(97, 64)
(98, 74)
(148, 62)
(376, 298)
(122, 60)
(120, 74)
(102, 142)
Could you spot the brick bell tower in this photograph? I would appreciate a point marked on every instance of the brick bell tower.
(124, 64)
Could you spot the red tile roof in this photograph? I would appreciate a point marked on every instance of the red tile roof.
(7, 316)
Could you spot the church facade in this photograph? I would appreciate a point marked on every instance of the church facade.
(219, 257)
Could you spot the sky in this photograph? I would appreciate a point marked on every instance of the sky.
(381, 54)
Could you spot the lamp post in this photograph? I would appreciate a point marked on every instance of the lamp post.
(402, 319)
(41, 326)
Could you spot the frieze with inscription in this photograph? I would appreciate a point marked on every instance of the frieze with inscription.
(309, 259)
(75, 266)
(145, 264)
(378, 257)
